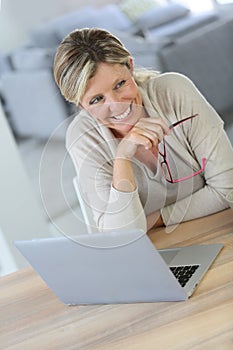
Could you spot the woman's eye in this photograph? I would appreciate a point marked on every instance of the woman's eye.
(95, 100)
(120, 84)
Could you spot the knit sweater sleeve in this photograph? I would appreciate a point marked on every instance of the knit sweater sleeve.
(218, 181)
(205, 138)
(93, 153)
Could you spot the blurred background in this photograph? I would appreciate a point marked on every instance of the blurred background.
(37, 198)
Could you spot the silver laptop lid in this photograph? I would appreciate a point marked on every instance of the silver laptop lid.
(114, 267)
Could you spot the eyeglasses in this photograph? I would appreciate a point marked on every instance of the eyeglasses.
(164, 164)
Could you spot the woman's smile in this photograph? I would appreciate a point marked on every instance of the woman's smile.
(123, 115)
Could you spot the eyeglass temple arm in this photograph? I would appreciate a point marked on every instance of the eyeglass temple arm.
(181, 121)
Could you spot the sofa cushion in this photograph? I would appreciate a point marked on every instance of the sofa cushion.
(142, 50)
(50, 34)
(45, 35)
(160, 16)
(34, 105)
(182, 26)
(5, 64)
(32, 59)
(205, 56)
(133, 9)
(108, 17)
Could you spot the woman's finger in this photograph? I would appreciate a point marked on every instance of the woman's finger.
(152, 123)
(155, 135)
(129, 144)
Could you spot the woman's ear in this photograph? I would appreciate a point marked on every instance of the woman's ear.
(130, 64)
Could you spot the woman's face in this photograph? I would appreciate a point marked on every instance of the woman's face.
(113, 98)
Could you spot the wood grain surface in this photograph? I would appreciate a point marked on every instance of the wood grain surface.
(31, 317)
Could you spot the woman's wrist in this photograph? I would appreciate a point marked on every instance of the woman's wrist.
(123, 175)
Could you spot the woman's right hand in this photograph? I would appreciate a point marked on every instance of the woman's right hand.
(147, 133)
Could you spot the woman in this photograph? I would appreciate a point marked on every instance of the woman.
(139, 161)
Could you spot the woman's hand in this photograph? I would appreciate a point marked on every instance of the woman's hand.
(147, 132)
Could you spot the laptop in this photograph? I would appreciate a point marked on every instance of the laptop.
(117, 267)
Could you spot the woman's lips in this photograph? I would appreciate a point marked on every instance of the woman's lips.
(123, 115)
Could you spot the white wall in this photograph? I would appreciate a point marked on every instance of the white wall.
(17, 17)
(21, 216)
(20, 213)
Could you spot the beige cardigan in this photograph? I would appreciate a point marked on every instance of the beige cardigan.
(172, 97)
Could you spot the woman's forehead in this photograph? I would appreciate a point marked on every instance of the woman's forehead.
(107, 74)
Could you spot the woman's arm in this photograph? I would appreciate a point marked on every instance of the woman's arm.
(147, 133)
(204, 138)
(218, 181)
(106, 176)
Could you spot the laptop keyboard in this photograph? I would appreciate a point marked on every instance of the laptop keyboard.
(183, 273)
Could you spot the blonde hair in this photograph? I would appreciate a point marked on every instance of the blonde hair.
(78, 56)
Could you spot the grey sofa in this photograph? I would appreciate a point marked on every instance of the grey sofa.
(168, 38)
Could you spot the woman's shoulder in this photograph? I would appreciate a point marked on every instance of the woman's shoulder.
(84, 130)
(170, 86)
(82, 124)
(170, 81)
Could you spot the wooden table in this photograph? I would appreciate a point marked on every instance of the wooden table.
(31, 317)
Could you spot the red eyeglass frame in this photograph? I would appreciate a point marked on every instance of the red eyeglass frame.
(165, 162)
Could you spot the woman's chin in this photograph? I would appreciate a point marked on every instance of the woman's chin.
(123, 129)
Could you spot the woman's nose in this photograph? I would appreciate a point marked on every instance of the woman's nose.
(114, 104)
(113, 98)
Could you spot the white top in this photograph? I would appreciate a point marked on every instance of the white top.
(172, 97)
